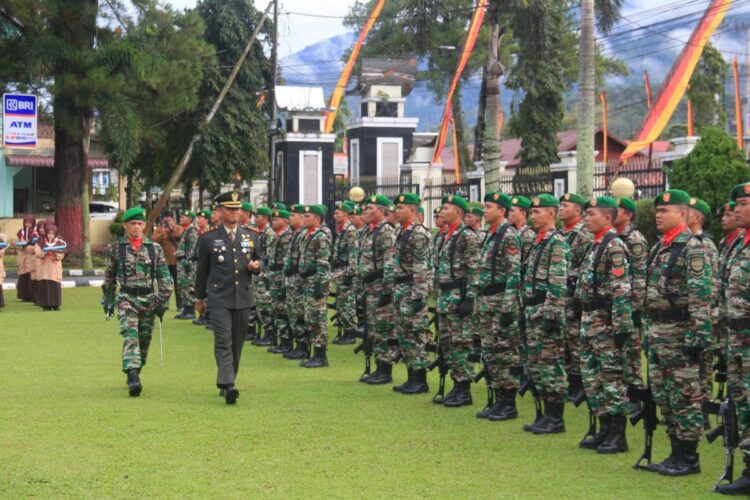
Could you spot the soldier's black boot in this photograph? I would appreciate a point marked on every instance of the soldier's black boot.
(284, 346)
(418, 384)
(383, 375)
(656, 466)
(409, 380)
(462, 396)
(251, 332)
(299, 352)
(686, 460)
(553, 422)
(348, 337)
(319, 359)
(615, 442)
(231, 394)
(268, 340)
(741, 486)
(538, 419)
(188, 312)
(485, 412)
(593, 442)
(134, 383)
(201, 321)
(506, 408)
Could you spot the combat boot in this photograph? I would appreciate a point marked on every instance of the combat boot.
(657, 466)
(593, 442)
(462, 396)
(615, 442)
(383, 375)
(409, 380)
(188, 312)
(505, 409)
(485, 412)
(349, 337)
(231, 394)
(319, 359)
(252, 333)
(742, 485)
(268, 340)
(134, 383)
(418, 384)
(686, 460)
(300, 352)
(540, 417)
(284, 347)
(553, 422)
(201, 321)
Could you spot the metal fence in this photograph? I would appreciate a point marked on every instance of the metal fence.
(647, 175)
(388, 186)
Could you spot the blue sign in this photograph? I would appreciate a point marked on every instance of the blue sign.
(19, 120)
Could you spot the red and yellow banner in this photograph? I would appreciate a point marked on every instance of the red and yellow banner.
(471, 40)
(738, 105)
(338, 92)
(677, 80)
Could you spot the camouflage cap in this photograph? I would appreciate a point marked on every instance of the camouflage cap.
(407, 199)
(672, 197)
(545, 200)
(135, 213)
(574, 198)
(520, 201)
(626, 203)
(700, 206)
(741, 191)
(456, 201)
(500, 199)
(601, 202)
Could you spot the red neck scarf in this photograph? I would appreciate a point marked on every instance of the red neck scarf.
(451, 230)
(280, 230)
(405, 226)
(311, 230)
(494, 228)
(340, 227)
(747, 238)
(136, 242)
(733, 236)
(540, 236)
(570, 226)
(670, 235)
(598, 236)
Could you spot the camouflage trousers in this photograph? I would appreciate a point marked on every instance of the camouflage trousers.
(499, 348)
(572, 335)
(545, 354)
(186, 281)
(456, 343)
(677, 383)
(277, 293)
(263, 302)
(413, 332)
(381, 325)
(295, 313)
(316, 315)
(602, 368)
(136, 325)
(346, 303)
(633, 373)
(738, 381)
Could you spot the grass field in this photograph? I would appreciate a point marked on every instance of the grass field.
(68, 428)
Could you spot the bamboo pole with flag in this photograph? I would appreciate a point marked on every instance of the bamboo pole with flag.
(605, 139)
(738, 105)
(338, 91)
(456, 152)
(678, 78)
(647, 85)
(690, 122)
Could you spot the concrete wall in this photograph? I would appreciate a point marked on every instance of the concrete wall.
(99, 230)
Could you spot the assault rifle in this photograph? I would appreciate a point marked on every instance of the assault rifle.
(525, 382)
(484, 374)
(721, 375)
(728, 429)
(647, 413)
(366, 345)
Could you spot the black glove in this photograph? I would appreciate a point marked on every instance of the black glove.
(620, 339)
(694, 354)
(385, 299)
(318, 291)
(417, 307)
(551, 326)
(347, 280)
(466, 307)
(506, 319)
(160, 310)
(637, 321)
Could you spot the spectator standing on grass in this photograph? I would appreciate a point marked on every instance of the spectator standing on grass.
(25, 236)
(168, 235)
(3, 246)
(41, 234)
(49, 253)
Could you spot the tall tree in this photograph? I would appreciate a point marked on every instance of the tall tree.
(706, 86)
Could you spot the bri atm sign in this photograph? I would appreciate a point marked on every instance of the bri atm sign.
(19, 120)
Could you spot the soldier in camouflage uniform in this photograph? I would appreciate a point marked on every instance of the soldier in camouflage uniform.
(277, 254)
(678, 307)
(473, 219)
(604, 292)
(732, 235)
(343, 269)
(736, 316)
(411, 290)
(293, 283)
(263, 302)
(186, 264)
(638, 256)
(519, 214)
(498, 294)
(375, 263)
(137, 265)
(456, 281)
(543, 295)
(315, 271)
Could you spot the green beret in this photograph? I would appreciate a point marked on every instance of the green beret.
(626, 203)
(214, 205)
(521, 201)
(247, 206)
(437, 210)
(230, 199)
(741, 191)
(420, 209)
(601, 202)
(378, 199)
(729, 206)
(574, 198)
(407, 199)
(298, 209)
(457, 201)
(476, 209)
(545, 200)
(672, 197)
(323, 208)
(345, 206)
(279, 205)
(315, 209)
(283, 214)
(700, 206)
(356, 209)
(263, 211)
(205, 213)
(135, 213)
(188, 213)
(500, 199)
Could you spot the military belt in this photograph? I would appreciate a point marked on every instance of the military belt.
(307, 274)
(370, 277)
(597, 305)
(137, 290)
(493, 289)
(669, 315)
(535, 300)
(739, 324)
(452, 285)
(276, 267)
(401, 280)
(340, 264)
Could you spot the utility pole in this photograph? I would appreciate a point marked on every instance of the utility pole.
(272, 95)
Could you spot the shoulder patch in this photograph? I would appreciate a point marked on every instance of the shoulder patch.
(697, 263)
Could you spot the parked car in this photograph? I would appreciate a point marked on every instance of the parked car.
(103, 210)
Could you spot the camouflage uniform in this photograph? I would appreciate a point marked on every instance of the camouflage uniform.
(543, 294)
(293, 284)
(678, 306)
(186, 265)
(528, 236)
(145, 286)
(315, 271)
(456, 280)
(263, 302)
(712, 255)
(605, 294)
(578, 240)
(277, 253)
(344, 268)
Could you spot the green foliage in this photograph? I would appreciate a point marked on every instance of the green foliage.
(706, 85)
(710, 171)
(645, 220)
(116, 228)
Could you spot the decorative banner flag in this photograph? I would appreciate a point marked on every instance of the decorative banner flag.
(605, 139)
(647, 84)
(677, 80)
(471, 40)
(456, 153)
(690, 126)
(738, 105)
(338, 92)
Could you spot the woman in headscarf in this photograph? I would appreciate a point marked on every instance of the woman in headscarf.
(3, 246)
(25, 238)
(41, 236)
(49, 255)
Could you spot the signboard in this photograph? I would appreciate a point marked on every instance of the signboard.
(19, 120)
(340, 163)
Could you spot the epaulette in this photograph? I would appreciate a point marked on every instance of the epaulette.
(254, 229)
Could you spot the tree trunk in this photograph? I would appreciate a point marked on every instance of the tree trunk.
(491, 148)
(465, 157)
(480, 126)
(586, 109)
(69, 164)
(86, 262)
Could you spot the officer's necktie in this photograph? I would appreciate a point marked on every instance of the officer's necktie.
(231, 236)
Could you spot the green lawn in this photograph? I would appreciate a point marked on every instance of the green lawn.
(68, 428)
